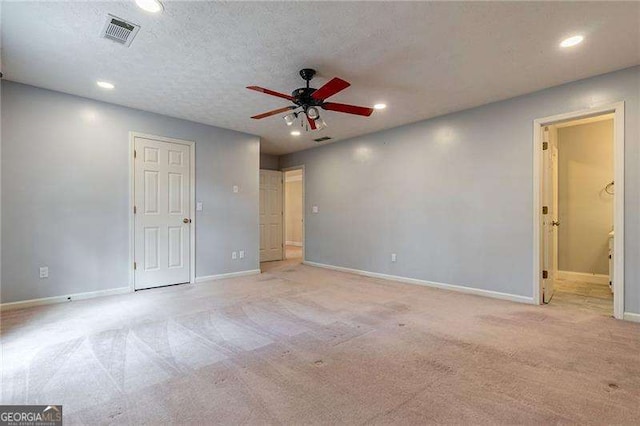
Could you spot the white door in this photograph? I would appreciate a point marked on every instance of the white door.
(270, 215)
(162, 216)
(550, 211)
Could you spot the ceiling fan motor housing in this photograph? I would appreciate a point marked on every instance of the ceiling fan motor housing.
(302, 97)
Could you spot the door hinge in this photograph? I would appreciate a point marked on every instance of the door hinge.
(135, 154)
(545, 209)
(545, 146)
(135, 266)
(545, 274)
(135, 210)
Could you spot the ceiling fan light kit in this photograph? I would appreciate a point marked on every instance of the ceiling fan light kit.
(290, 118)
(320, 123)
(313, 113)
(307, 100)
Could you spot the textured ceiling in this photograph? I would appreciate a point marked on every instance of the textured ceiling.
(423, 59)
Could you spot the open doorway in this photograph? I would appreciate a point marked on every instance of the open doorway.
(294, 213)
(582, 188)
(580, 211)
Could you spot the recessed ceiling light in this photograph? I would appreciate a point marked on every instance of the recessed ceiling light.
(153, 6)
(380, 106)
(295, 133)
(572, 41)
(105, 85)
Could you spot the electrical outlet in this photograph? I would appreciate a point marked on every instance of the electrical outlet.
(236, 189)
(393, 257)
(44, 272)
(314, 209)
(241, 254)
(234, 255)
(199, 206)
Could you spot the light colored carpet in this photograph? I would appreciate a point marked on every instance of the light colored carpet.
(301, 345)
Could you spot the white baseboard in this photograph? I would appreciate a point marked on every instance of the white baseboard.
(90, 295)
(293, 243)
(582, 276)
(453, 287)
(60, 299)
(227, 275)
(628, 316)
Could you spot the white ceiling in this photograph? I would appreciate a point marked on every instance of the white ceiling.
(423, 59)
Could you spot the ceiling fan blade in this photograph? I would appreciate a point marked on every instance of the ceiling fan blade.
(334, 86)
(274, 112)
(312, 123)
(270, 92)
(349, 109)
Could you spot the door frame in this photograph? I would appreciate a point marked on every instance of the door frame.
(618, 206)
(192, 201)
(304, 210)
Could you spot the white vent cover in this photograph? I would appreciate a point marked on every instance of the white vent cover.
(119, 30)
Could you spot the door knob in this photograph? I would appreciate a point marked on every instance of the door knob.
(555, 223)
(185, 220)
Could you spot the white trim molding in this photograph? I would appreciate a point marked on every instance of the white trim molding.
(61, 299)
(405, 280)
(227, 275)
(192, 201)
(617, 109)
(629, 316)
(582, 276)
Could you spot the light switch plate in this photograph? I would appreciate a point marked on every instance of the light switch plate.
(236, 189)
(394, 257)
(234, 255)
(314, 209)
(241, 254)
(44, 272)
(199, 206)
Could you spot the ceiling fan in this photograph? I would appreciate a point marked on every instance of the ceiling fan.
(309, 100)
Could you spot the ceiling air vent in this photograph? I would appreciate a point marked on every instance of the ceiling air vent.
(119, 30)
(322, 139)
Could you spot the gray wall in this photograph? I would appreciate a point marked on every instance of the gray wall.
(452, 196)
(585, 210)
(65, 192)
(269, 162)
